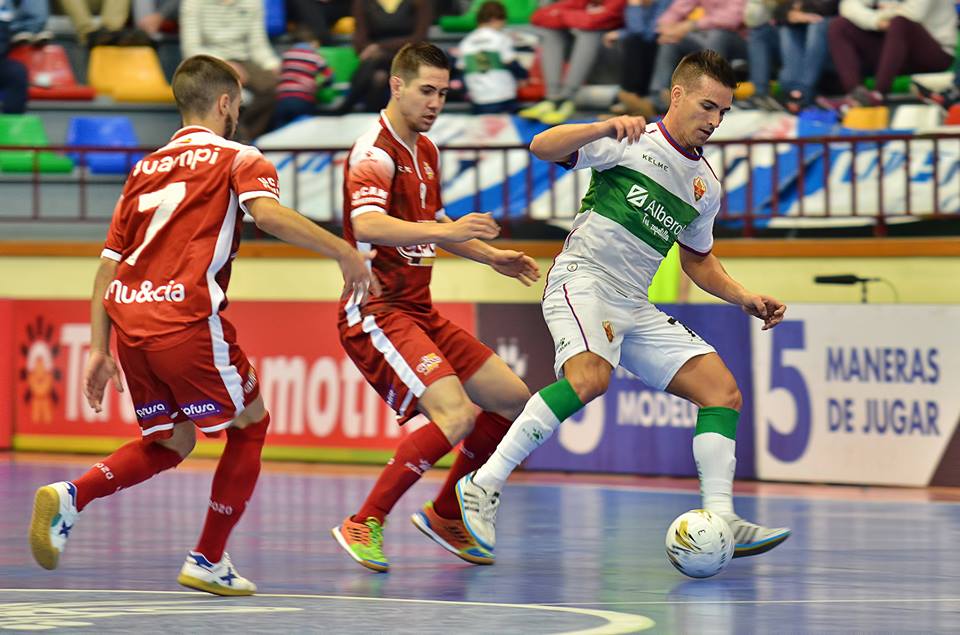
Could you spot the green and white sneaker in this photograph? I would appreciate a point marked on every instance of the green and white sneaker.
(478, 508)
(753, 539)
(363, 542)
(54, 514)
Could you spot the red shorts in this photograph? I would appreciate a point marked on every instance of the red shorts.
(400, 354)
(205, 378)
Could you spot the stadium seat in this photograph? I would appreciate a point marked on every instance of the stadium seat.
(128, 73)
(744, 90)
(115, 132)
(867, 118)
(345, 26)
(518, 12)
(901, 84)
(916, 117)
(51, 76)
(343, 61)
(27, 130)
(814, 122)
(533, 88)
(275, 13)
(953, 116)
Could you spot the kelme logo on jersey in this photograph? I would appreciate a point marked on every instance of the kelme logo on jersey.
(640, 198)
(428, 363)
(173, 291)
(151, 410)
(200, 409)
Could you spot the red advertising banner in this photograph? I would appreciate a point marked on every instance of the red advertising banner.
(321, 408)
(6, 373)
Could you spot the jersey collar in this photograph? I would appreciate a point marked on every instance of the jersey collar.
(190, 130)
(385, 122)
(676, 146)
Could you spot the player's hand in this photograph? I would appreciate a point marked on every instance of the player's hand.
(768, 309)
(358, 279)
(100, 370)
(516, 264)
(626, 127)
(475, 225)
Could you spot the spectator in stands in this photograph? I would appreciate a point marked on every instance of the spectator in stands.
(382, 27)
(489, 63)
(302, 71)
(113, 17)
(155, 16)
(719, 29)
(583, 22)
(889, 39)
(29, 23)
(803, 28)
(638, 44)
(763, 51)
(13, 74)
(318, 15)
(235, 31)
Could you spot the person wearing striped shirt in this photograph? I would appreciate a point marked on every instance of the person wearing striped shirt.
(302, 71)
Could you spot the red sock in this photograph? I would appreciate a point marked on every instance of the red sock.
(132, 463)
(416, 454)
(233, 485)
(487, 433)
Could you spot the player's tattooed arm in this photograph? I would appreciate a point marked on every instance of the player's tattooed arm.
(707, 273)
(561, 143)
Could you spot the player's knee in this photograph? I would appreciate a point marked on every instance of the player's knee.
(456, 422)
(730, 396)
(590, 382)
(183, 440)
(514, 400)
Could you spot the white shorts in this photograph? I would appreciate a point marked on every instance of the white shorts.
(584, 313)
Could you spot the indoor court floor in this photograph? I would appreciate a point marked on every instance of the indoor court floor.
(575, 554)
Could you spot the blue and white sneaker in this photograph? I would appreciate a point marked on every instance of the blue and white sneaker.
(753, 539)
(54, 514)
(219, 578)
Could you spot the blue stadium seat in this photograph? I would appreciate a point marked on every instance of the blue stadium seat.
(114, 132)
(275, 12)
(813, 122)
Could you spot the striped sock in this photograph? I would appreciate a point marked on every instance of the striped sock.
(540, 417)
(714, 446)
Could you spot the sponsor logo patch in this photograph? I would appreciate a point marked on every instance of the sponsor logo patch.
(699, 188)
(151, 410)
(608, 329)
(428, 363)
(200, 409)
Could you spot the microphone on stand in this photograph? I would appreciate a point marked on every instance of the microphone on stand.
(847, 278)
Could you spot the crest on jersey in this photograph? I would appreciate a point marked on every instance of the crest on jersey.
(428, 170)
(699, 188)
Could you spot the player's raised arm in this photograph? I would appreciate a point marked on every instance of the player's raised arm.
(292, 227)
(560, 143)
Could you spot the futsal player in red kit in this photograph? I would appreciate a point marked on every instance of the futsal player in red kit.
(162, 283)
(417, 360)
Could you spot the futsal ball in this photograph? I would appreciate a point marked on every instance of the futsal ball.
(699, 543)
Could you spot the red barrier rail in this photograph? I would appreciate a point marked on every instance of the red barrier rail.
(774, 182)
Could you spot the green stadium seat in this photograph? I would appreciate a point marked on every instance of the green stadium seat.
(27, 130)
(343, 61)
(518, 12)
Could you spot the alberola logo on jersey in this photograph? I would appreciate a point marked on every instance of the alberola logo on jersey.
(428, 363)
(200, 409)
(173, 291)
(187, 159)
(637, 196)
(699, 188)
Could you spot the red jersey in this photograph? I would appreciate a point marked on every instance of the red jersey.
(176, 230)
(382, 175)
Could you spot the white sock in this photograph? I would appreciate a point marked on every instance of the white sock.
(534, 426)
(716, 462)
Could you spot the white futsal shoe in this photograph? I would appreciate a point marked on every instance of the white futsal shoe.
(478, 507)
(54, 514)
(219, 578)
(753, 539)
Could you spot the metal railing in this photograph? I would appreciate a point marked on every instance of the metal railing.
(766, 182)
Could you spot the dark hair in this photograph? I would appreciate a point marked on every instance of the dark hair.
(200, 80)
(489, 11)
(408, 60)
(710, 63)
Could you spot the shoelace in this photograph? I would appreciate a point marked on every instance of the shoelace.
(489, 506)
(376, 533)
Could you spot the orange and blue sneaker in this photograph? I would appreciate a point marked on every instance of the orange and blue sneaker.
(451, 534)
(363, 542)
(54, 515)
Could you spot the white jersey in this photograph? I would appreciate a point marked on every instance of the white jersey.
(484, 56)
(643, 197)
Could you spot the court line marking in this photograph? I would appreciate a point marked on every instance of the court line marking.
(617, 623)
(827, 601)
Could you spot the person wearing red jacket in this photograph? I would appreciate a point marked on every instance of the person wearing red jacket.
(583, 22)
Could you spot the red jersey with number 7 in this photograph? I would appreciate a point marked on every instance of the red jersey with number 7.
(175, 232)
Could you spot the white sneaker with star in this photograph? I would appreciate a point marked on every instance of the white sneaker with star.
(219, 578)
(54, 514)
